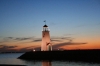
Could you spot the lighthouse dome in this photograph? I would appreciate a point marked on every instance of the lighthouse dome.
(45, 26)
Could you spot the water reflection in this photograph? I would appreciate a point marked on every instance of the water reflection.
(11, 58)
(46, 63)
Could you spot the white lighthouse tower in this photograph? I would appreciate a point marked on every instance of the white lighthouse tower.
(46, 44)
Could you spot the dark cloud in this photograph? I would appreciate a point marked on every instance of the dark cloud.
(54, 37)
(18, 39)
(66, 38)
(7, 39)
(10, 37)
(6, 47)
(60, 39)
(24, 38)
(67, 43)
(37, 40)
(21, 39)
(55, 40)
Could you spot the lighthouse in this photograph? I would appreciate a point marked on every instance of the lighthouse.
(46, 43)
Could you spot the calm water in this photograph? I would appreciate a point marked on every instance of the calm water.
(11, 58)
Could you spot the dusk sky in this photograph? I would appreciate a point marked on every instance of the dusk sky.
(73, 24)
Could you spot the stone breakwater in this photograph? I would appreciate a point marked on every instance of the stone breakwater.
(67, 55)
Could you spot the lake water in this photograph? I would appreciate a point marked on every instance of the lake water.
(11, 58)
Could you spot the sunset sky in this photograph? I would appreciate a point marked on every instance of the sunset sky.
(73, 24)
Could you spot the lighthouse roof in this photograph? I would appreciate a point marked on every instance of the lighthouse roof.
(45, 26)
